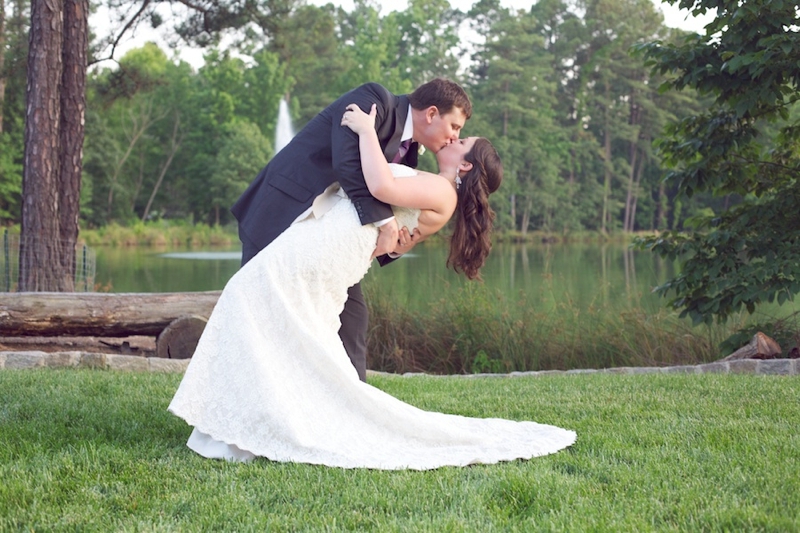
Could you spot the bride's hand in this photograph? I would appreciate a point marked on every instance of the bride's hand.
(357, 120)
(406, 241)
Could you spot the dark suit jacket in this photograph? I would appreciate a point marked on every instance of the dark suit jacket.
(321, 153)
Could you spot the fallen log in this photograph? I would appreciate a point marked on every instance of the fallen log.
(759, 347)
(49, 314)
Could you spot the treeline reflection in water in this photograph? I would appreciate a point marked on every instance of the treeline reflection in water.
(580, 276)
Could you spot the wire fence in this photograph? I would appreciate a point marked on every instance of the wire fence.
(85, 261)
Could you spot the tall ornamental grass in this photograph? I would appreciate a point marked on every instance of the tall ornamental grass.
(160, 233)
(475, 330)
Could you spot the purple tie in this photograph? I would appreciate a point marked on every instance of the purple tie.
(404, 146)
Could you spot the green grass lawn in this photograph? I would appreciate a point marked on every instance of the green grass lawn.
(97, 451)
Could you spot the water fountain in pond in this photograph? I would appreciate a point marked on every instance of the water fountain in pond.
(283, 134)
(283, 131)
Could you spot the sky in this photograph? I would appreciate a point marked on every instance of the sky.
(673, 17)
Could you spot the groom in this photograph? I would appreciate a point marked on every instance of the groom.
(324, 152)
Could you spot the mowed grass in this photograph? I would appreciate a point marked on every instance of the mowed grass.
(84, 450)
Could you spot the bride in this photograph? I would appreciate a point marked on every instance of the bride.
(270, 376)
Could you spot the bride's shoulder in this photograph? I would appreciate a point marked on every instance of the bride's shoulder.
(402, 171)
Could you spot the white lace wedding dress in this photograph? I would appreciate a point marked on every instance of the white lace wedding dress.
(271, 378)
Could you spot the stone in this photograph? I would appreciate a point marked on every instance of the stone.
(779, 367)
(682, 369)
(24, 360)
(743, 366)
(93, 360)
(158, 364)
(713, 368)
(127, 363)
(62, 359)
(645, 370)
(550, 372)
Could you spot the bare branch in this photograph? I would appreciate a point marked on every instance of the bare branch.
(122, 32)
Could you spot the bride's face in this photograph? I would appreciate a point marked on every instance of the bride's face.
(452, 155)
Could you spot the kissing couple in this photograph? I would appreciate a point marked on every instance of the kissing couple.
(280, 370)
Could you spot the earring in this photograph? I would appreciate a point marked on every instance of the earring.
(458, 181)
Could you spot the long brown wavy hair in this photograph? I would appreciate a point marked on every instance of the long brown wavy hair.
(470, 242)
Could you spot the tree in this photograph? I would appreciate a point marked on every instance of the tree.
(241, 155)
(53, 144)
(71, 130)
(369, 49)
(426, 45)
(54, 128)
(2, 60)
(516, 87)
(615, 94)
(745, 144)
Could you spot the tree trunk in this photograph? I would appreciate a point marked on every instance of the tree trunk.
(661, 208)
(139, 181)
(627, 225)
(526, 217)
(633, 152)
(636, 189)
(40, 250)
(50, 314)
(2, 60)
(139, 125)
(73, 110)
(175, 144)
(606, 163)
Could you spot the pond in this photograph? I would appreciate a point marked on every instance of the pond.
(545, 276)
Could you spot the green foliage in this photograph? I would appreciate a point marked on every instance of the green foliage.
(425, 45)
(553, 86)
(654, 453)
(746, 144)
(10, 178)
(241, 154)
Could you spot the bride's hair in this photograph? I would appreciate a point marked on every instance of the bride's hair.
(470, 243)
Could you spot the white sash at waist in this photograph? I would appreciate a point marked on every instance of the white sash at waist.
(323, 203)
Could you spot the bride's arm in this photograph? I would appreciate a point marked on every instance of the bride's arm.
(423, 191)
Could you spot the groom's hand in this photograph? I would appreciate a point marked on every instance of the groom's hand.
(387, 238)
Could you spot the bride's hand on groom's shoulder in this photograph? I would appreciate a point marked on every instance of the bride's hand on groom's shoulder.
(358, 121)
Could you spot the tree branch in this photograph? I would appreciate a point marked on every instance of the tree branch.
(122, 32)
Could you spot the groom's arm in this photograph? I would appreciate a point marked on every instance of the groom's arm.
(346, 156)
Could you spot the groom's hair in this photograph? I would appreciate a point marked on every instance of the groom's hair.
(442, 93)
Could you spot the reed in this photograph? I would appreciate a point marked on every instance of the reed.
(159, 233)
(475, 330)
